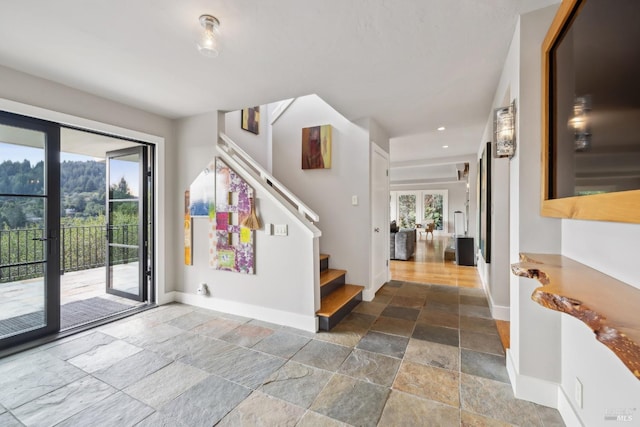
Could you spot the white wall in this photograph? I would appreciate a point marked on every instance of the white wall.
(378, 135)
(345, 228)
(606, 246)
(257, 146)
(612, 249)
(533, 359)
(550, 350)
(496, 274)
(282, 290)
(56, 102)
(538, 348)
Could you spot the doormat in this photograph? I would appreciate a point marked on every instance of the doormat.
(25, 322)
(79, 312)
(71, 314)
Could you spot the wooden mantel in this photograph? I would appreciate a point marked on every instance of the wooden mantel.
(608, 306)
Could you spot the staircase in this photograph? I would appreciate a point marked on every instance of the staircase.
(337, 298)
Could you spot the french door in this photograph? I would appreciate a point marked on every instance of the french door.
(32, 234)
(410, 208)
(29, 228)
(127, 232)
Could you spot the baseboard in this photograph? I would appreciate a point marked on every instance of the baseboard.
(569, 415)
(532, 389)
(368, 295)
(166, 298)
(498, 312)
(285, 318)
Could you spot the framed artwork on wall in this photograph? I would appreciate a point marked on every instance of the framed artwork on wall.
(316, 147)
(485, 203)
(202, 192)
(231, 245)
(251, 119)
(188, 230)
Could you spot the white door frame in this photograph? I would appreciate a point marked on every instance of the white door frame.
(370, 292)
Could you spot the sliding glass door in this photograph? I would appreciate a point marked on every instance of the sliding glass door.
(29, 225)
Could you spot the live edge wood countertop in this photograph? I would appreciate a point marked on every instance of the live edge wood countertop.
(611, 308)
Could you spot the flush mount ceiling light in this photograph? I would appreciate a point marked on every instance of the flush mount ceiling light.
(441, 128)
(209, 41)
(445, 146)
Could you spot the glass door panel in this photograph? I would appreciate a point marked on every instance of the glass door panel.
(407, 214)
(29, 254)
(126, 223)
(433, 211)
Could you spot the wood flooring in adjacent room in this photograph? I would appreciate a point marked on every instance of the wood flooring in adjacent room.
(429, 266)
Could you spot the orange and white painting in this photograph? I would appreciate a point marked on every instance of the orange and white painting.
(316, 147)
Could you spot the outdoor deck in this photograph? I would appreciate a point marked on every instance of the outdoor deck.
(26, 297)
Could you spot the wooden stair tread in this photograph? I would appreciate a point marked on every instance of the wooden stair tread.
(329, 275)
(323, 257)
(338, 298)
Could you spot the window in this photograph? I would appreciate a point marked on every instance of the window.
(409, 208)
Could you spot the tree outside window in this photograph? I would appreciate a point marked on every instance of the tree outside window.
(433, 210)
(407, 210)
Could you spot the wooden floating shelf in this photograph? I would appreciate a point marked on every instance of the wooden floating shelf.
(608, 306)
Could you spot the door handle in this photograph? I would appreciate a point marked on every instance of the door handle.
(377, 229)
(40, 239)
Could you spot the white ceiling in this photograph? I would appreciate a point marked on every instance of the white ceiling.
(411, 65)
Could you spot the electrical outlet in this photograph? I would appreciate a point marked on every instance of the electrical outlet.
(280, 229)
(203, 289)
(578, 393)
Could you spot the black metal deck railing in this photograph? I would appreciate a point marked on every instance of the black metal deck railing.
(22, 251)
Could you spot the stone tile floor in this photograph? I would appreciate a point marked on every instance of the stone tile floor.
(418, 355)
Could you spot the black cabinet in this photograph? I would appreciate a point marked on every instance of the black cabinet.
(464, 251)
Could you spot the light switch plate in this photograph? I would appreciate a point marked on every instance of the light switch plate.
(280, 229)
(354, 200)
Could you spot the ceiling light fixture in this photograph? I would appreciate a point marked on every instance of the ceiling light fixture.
(209, 43)
(445, 146)
(441, 128)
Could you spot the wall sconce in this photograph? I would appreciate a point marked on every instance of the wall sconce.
(504, 130)
(209, 43)
(579, 123)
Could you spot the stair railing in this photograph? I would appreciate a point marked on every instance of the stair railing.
(233, 150)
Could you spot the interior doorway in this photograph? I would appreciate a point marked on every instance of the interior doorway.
(379, 219)
(76, 225)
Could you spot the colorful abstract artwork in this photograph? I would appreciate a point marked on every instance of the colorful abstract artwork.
(202, 192)
(251, 119)
(230, 244)
(188, 230)
(316, 147)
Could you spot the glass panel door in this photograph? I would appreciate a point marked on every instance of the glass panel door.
(415, 209)
(407, 209)
(29, 223)
(433, 210)
(127, 207)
